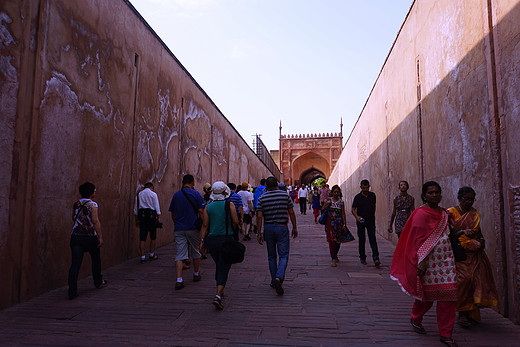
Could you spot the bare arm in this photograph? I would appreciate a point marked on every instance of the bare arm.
(390, 227)
(234, 216)
(354, 212)
(292, 216)
(97, 225)
(204, 228)
(259, 216)
(343, 214)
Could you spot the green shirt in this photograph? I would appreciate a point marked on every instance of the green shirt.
(217, 219)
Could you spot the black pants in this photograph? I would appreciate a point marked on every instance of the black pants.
(371, 231)
(78, 246)
(214, 245)
(303, 205)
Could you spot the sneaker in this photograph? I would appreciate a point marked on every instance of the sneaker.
(73, 296)
(377, 263)
(179, 285)
(103, 284)
(153, 257)
(143, 260)
(197, 278)
(278, 286)
(363, 262)
(218, 303)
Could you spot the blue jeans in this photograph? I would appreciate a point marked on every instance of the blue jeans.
(371, 231)
(276, 238)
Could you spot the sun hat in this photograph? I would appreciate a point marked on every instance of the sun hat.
(207, 188)
(220, 191)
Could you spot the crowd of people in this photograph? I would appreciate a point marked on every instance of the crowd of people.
(425, 262)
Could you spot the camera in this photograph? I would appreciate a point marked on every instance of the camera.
(159, 225)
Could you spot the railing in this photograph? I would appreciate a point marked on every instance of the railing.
(263, 154)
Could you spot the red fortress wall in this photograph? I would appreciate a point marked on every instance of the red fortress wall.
(89, 92)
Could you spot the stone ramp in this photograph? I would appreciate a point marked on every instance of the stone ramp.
(350, 305)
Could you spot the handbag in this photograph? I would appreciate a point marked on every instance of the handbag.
(458, 251)
(198, 222)
(459, 254)
(232, 250)
(323, 217)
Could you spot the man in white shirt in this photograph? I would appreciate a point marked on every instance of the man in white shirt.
(147, 212)
(247, 201)
(303, 194)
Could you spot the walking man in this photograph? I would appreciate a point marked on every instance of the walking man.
(364, 209)
(257, 192)
(273, 206)
(247, 201)
(303, 194)
(147, 212)
(185, 207)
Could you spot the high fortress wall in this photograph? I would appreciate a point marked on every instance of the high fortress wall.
(445, 107)
(89, 92)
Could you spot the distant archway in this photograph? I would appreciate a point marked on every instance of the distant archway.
(303, 157)
(310, 175)
(308, 166)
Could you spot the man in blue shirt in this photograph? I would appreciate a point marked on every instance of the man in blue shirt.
(258, 191)
(237, 201)
(186, 205)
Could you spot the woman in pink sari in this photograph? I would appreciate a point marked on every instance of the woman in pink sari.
(476, 286)
(424, 266)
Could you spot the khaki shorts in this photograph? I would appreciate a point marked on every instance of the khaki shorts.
(187, 242)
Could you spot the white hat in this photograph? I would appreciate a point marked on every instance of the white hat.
(220, 191)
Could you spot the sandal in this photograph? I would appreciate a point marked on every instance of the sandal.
(103, 284)
(448, 341)
(465, 322)
(418, 328)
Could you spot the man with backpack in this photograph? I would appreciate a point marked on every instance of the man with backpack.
(147, 212)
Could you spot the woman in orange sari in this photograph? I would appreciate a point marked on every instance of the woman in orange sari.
(424, 265)
(476, 287)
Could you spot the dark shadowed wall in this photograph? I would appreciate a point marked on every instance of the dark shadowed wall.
(89, 92)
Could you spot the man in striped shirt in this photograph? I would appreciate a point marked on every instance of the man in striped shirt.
(274, 206)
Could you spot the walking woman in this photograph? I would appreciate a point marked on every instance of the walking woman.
(404, 205)
(476, 286)
(215, 231)
(86, 236)
(424, 265)
(315, 204)
(337, 231)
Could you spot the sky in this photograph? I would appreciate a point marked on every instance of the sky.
(306, 63)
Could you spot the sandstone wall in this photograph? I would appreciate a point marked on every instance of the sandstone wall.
(89, 92)
(445, 108)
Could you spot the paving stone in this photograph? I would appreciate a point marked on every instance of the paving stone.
(349, 305)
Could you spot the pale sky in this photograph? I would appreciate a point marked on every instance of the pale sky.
(306, 63)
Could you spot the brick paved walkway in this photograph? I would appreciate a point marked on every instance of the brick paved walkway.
(351, 305)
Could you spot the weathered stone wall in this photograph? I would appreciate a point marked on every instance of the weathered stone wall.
(445, 108)
(89, 92)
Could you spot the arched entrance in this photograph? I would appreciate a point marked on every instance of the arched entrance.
(310, 175)
(309, 166)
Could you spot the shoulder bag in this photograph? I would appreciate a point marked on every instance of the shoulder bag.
(232, 250)
(459, 254)
(145, 215)
(198, 222)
